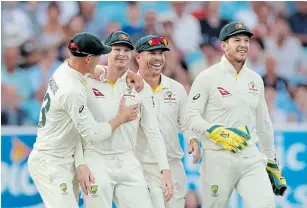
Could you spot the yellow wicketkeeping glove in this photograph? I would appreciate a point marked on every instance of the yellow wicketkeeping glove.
(278, 182)
(232, 139)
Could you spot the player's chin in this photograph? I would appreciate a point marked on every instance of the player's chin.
(241, 57)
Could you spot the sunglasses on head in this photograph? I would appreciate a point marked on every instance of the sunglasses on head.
(158, 41)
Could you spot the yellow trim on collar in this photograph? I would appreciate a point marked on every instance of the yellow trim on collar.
(158, 89)
(236, 76)
(84, 83)
(111, 83)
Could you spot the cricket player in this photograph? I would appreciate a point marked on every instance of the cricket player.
(118, 173)
(170, 102)
(64, 117)
(227, 106)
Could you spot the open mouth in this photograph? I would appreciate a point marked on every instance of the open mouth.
(242, 51)
(156, 65)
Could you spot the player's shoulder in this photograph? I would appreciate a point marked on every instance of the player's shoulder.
(210, 73)
(66, 83)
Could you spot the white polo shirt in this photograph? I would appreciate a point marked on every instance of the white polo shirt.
(65, 115)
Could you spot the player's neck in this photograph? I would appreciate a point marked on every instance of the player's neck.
(77, 66)
(153, 80)
(115, 73)
(236, 65)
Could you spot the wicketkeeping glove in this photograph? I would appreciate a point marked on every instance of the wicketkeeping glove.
(278, 182)
(232, 139)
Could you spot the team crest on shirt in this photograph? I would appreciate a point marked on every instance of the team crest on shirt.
(128, 93)
(252, 88)
(63, 187)
(170, 97)
(214, 190)
(94, 190)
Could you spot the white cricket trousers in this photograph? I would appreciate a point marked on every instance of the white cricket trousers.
(153, 178)
(55, 179)
(118, 177)
(222, 171)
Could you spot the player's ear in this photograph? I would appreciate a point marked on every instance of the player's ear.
(224, 45)
(88, 59)
(138, 57)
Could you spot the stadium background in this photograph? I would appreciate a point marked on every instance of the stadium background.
(34, 37)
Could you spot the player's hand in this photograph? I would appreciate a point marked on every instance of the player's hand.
(135, 81)
(85, 178)
(127, 113)
(99, 73)
(278, 182)
(195, 149)
(232, 139)
(167, 185)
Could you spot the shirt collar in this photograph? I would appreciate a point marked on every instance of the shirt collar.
(229, 67)
(163, 84)
(73, 72)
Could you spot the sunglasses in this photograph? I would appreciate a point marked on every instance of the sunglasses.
(158, 41)
(73, 47)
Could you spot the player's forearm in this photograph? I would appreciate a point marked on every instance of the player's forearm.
(96, 132)
(265, 135)
(78, 156)
(189, 135)
(157, 146)
(196, 123)
(264, 130)
(116, 122)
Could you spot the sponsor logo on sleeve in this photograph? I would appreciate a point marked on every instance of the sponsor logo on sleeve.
(81, 108)
(196, 96)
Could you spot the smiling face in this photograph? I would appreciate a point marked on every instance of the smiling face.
(151, 62)
(236, 47)
(120, 56)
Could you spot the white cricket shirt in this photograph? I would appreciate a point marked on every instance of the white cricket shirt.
(65, 115)
(103, 100)
(221, 96)
(170, 102)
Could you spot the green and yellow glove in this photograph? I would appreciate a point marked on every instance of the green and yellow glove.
(278, 182)
(232, 139)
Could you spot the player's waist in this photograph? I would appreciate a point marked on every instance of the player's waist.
(110, 155)
(149, 158)
(60, 152)
(41, 154)
(108, 147)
